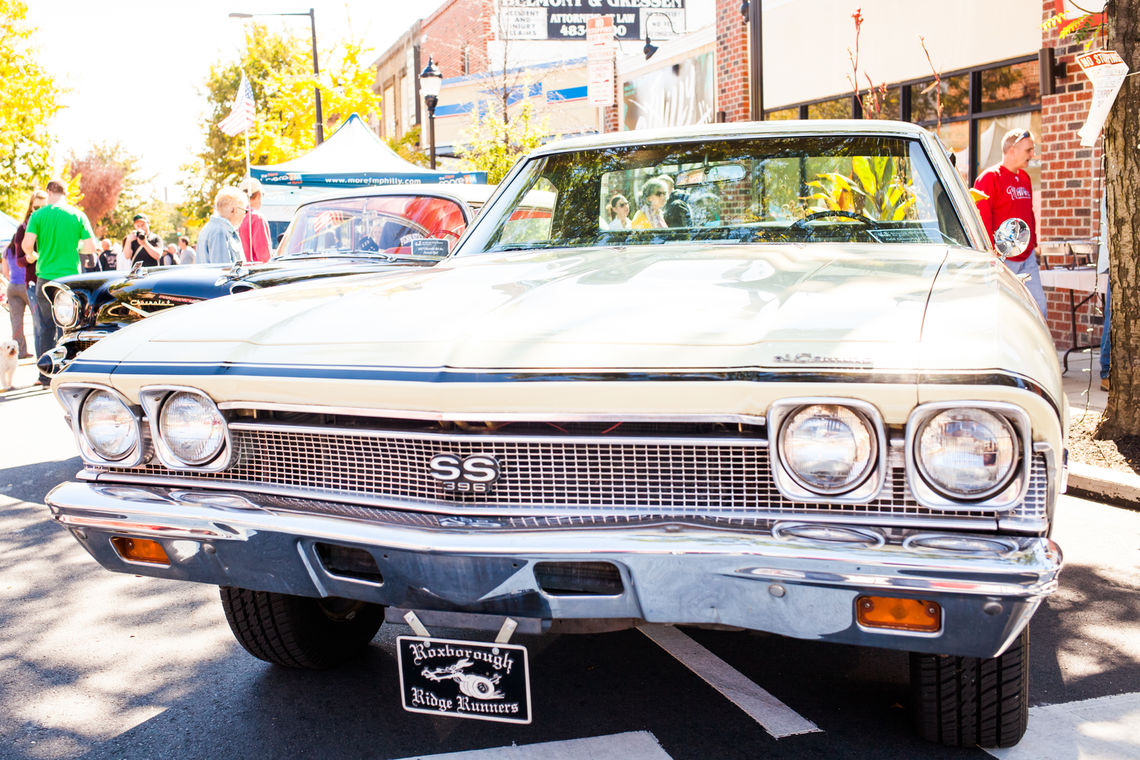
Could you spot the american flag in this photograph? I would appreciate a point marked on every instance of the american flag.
(241, 113)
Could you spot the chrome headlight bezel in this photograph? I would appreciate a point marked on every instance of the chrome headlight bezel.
(866, 488)
(153, 398)
(1006, 495)
(66, 308)
(73, 396)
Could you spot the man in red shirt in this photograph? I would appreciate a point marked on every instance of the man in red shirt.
(254, 230)
(1011, 195)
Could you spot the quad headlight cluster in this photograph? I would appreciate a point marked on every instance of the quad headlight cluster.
(835, 450)
(186, 430)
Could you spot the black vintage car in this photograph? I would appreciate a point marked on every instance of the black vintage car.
(365, 230)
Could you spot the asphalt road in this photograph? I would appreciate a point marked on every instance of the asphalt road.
(101, 665)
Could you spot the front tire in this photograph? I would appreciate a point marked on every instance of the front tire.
(299, 631)
(970, 701)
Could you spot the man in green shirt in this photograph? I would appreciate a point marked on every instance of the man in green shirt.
(52, 242)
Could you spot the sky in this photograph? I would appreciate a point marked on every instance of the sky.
(136, 67)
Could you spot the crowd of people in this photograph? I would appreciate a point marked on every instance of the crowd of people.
(56, 239)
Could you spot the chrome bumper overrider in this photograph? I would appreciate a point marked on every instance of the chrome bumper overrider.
(670, 573)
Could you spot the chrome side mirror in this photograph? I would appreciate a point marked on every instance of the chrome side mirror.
(1011, 238)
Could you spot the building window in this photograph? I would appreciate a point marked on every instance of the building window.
(836, 108)
(954, 92)
(1015, 86)
(783, 114)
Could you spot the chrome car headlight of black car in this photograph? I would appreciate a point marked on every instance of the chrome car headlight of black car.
(65, 308)
(106, 426)
(968, 452)
(826, 449)
(188, 429)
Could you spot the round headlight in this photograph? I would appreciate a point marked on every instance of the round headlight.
(108, 425)
(65, 308)
(967, 453)
(827, 448)
(192, 428)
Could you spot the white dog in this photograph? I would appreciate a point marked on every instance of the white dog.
(8, 351)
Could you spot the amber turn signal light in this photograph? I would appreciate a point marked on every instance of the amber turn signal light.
(140, 550)
(899, 614)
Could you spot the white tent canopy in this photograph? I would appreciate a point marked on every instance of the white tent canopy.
(354, 156)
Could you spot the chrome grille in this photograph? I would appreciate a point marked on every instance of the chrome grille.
(683, 477)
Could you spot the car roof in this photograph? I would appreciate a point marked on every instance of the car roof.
(471, 194)
(737, 129)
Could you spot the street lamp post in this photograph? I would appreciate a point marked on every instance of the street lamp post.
(316, 68)
(430, 82)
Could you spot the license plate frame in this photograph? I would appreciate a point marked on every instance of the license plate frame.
(478, 680)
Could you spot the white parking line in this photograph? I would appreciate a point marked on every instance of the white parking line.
(1105, 728)
(777, 718)
(635, 745)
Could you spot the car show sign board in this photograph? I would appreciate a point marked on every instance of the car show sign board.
(1106, 70)
(464, 679)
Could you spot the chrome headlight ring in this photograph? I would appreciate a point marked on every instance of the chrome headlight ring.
(865, 481)
(76, 398)
(1007, 491)
(154, 401)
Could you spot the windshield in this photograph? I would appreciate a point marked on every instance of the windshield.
(792, 189)
(384, 225)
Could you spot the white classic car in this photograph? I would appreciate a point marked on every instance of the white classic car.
(799, 394)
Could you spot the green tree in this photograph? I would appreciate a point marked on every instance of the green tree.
(497, 139)
(407, 147)
(28, 99)
(279, 67)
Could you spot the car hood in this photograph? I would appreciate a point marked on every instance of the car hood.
(782, 306)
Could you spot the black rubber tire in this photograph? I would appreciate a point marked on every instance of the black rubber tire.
(299, 631)
(968, 701)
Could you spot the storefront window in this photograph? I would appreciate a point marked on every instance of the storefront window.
(883, 104)
(990, 132)
(955, 92)
(783, 114)
(1014, 86)
(955, 136)
(837, 108)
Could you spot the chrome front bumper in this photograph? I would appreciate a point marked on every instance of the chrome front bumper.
(674, 573)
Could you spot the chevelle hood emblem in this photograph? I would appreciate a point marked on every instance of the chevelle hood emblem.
(806, 358)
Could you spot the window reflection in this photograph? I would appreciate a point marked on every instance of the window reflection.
(1014, 86)
(955, 92)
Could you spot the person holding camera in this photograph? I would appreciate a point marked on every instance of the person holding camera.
(141, 244)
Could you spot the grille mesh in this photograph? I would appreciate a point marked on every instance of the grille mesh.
(683, 478)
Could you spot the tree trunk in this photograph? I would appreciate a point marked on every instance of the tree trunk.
(1122, 161)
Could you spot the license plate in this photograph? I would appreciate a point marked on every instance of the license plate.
(464, 679)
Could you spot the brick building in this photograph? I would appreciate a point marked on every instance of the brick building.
(535, 51)
(990, 60)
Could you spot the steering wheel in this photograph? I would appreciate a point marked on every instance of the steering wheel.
(801, 224)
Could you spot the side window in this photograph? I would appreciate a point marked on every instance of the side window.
(530, 221)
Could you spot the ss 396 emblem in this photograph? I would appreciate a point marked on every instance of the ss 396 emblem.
(472, 474)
